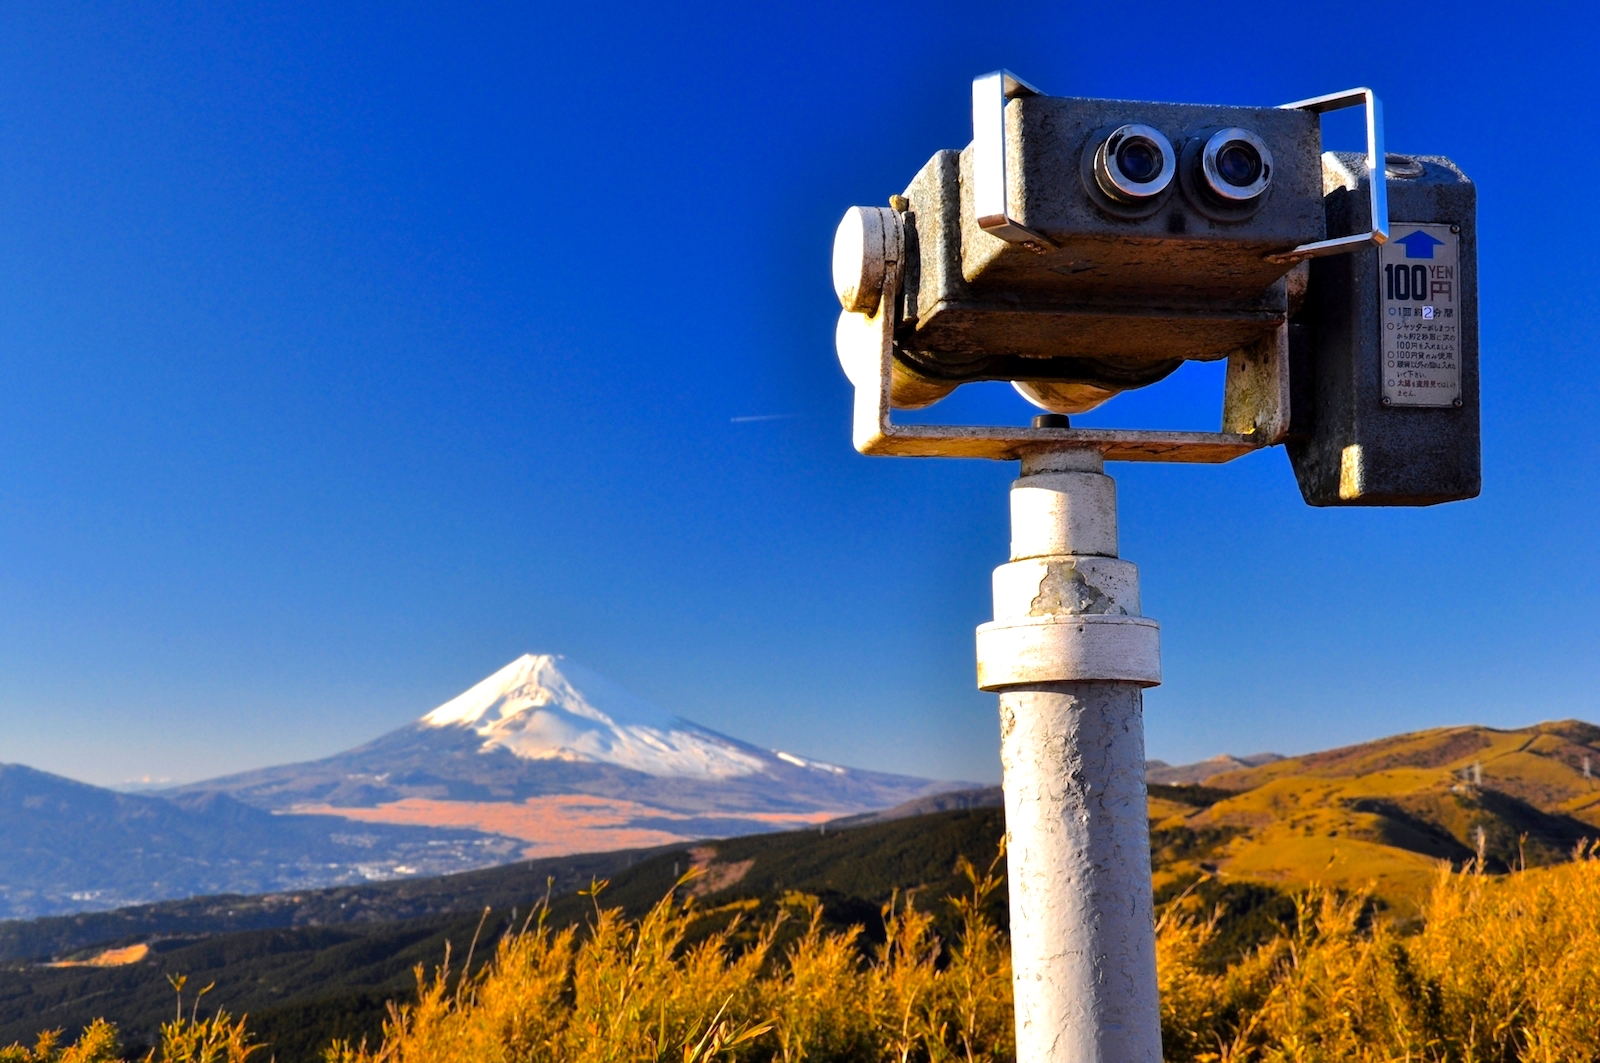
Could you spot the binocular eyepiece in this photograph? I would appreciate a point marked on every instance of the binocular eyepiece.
(1133, 164)
(1236, 165)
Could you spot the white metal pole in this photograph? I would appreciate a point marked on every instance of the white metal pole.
(1070, 654)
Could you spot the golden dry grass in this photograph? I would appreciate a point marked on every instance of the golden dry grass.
(119, 957)
(1501, 969)
(633, 991)
(188, 1038)
(1541, 765)
(1380, 815)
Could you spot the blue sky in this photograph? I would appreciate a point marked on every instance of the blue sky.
(349, 351)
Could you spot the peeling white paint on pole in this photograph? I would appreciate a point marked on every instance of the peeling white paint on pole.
(1070, 656)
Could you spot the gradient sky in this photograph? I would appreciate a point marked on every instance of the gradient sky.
(349, 351)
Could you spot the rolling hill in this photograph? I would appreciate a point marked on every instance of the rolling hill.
(1387, 812)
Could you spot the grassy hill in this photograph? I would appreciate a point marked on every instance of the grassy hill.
(1385, 813)
(314, 965)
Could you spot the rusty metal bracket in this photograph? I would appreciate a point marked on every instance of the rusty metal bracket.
(1255, 406)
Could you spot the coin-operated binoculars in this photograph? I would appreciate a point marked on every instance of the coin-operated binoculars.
(1080, 248)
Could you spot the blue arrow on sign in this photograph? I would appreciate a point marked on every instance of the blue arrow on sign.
(1419, 244)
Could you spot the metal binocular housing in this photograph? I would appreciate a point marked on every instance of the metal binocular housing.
(1082, 247)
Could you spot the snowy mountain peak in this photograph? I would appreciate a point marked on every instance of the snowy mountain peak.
(544, 707)
(534, 681)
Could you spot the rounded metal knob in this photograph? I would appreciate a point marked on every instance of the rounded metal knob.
(867, 242)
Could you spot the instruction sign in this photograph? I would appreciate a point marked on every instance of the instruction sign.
(1419, 282)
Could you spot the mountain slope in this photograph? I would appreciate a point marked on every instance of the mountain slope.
(504, 886)
(70, 846)
(1387, 813)
(304, 984)
(548, 752)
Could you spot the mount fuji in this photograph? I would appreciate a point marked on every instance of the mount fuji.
(550, 753)
(544, 708)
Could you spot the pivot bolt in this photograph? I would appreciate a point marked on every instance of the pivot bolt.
(866, 244)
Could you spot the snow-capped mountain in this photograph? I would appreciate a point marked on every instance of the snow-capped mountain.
(551, 753)
(546, 708)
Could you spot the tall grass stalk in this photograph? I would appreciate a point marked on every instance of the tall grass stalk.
(186, 1039)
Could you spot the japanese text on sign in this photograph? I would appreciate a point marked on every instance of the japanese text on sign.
(1419, 280)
